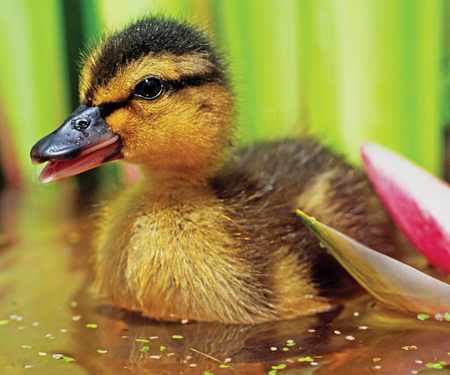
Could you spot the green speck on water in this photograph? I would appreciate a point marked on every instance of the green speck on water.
(290, 344)
(144, 349)
(286, 349)
(4, 321)
(224, 366)
(68, 359)
(178, 337)
(436, 366)
(74, 304)
(208, 373)
(272, 372)
(142, 340)
(306, 359)
(281, 367)
(423, 316)
(91, 325)
(443, 363)
(162, 348)
(102, 351)
(447, 317)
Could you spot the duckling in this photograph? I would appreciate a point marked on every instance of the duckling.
(209, 233)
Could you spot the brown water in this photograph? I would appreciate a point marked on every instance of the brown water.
(47, 311)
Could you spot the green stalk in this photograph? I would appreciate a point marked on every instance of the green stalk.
(261, 40)
(374, 74)
(31, 72)
(115, 13)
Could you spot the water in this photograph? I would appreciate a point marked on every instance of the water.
(52, 323)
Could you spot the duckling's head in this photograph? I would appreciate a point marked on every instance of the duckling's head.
(155, 94)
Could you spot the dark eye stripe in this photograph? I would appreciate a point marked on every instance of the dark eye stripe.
(106, 109)
(194, 80)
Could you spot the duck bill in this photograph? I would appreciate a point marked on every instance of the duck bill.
(84, 141)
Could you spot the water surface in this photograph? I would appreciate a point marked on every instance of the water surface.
(52, 323)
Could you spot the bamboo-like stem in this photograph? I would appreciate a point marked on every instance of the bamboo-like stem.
(31, 72)
(374, 74)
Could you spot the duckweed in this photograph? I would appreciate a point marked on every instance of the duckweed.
(423, 316)
(436, 366)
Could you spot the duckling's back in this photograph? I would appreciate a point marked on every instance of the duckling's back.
(262, 187)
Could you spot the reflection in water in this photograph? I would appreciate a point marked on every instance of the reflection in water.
(158, 347)
(353, 340)
(45, 279)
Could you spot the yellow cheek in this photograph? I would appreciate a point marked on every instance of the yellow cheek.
(120, 120)
(136, 129)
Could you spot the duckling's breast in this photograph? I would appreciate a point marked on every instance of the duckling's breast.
(177, 259)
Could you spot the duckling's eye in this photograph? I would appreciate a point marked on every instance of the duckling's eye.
(149, 88)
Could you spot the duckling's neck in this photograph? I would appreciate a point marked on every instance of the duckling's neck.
(175, 184)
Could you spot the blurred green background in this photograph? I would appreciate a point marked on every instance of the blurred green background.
(343, 70)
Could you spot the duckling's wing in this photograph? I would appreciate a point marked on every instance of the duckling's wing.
(263, 185)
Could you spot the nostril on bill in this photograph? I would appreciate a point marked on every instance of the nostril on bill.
(81, 125)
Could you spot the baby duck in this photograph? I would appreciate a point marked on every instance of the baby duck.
(207, 233)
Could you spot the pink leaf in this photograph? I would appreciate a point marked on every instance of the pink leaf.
(396, 284)
(418, 202)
